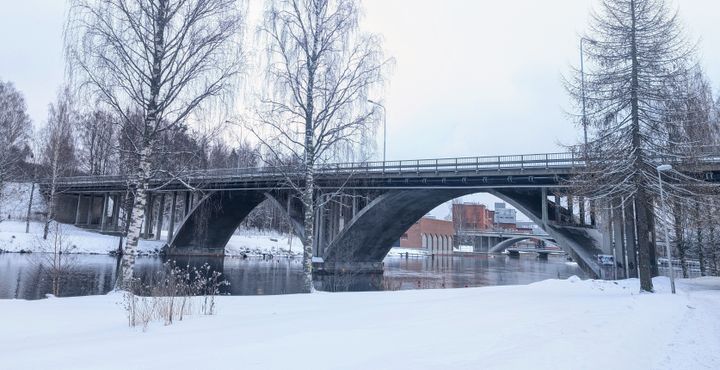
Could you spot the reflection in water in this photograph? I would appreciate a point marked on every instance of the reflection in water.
(20, 277)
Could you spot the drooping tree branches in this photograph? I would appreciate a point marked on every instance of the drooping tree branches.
(319, 69)
(164, 59)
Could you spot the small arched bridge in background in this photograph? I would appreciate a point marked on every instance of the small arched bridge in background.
(367, 206)
(493, 241)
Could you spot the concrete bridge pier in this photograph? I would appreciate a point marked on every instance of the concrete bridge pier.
(173, 208)
(160, 216)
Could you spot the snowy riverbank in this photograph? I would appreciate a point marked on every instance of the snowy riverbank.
(555, 324)
(250, 242)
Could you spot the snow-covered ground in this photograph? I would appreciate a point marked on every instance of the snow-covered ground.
(14, 239)
(554, 324)
(414, 252)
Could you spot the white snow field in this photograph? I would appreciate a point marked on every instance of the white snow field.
(554, 324)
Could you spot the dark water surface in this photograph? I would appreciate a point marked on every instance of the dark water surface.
(32, 277)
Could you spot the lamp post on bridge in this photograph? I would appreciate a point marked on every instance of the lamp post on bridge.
(384, 126)
(660, 169)
(582, 86)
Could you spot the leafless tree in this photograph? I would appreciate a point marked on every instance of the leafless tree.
(320, 68)
(164, 59)
(692, 133)
(15, 127)
(97, 142)
(637, 53)
(56, 257)
(58, 149)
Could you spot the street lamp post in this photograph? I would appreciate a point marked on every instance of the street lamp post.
(384, 126)
(582, 87)
(660, 169)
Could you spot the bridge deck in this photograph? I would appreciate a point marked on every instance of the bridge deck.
(485, 171)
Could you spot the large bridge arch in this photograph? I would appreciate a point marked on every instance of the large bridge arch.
(211, 223)
(369, 236)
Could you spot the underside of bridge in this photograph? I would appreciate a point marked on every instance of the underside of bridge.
(352, 233)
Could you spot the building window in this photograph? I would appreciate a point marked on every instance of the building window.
(404, 236)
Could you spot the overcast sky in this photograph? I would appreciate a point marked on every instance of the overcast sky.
(471, 77)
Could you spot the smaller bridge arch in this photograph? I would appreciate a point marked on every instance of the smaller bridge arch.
(505, 244)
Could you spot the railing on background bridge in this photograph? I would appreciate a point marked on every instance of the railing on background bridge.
(416, 166)
(500, 232)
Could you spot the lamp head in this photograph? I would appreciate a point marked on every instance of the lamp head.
(664, 168)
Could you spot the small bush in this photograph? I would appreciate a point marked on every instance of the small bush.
(171, 294)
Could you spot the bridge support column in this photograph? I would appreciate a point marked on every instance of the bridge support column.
(173, 206)
(630, 250)
(543, 199)
(571, 208)
(605, 225)
(103, 218)
(581, 209)
(187, 204)
(592, 213)
(91, 200)
(160, 214)
(77, 209)
(354, 203)
(558, 219)
(117, 202)
(148, 215)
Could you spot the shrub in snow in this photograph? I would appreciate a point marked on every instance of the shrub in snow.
(172, 293)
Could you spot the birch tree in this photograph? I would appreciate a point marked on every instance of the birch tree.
(636, 51)
(58, 149)
(320, 67)
(164, 59)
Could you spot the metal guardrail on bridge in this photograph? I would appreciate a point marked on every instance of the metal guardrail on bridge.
(566, 160)
(417, 166)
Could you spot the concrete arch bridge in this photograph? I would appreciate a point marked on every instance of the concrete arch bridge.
(356, 227)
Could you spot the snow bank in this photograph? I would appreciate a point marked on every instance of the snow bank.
(555, 324)
(414, 252)
(14, 239)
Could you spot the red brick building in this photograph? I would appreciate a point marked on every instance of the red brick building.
(436, 236)
(472, 216)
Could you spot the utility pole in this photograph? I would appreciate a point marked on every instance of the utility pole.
(582, 86)
(384, 127)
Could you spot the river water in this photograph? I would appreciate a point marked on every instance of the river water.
(32, 276)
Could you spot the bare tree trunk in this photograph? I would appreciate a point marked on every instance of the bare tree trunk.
(680, 239)
(136, 219)
(309, 224)
(644, 245)
(29, 209)
(644, 268)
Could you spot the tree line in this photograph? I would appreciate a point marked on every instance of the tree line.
(152, 84)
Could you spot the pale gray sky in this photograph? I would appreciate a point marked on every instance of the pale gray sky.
(471, 77)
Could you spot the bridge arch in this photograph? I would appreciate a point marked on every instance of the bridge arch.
(507, 243)
(211, 223)
(368, 237)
